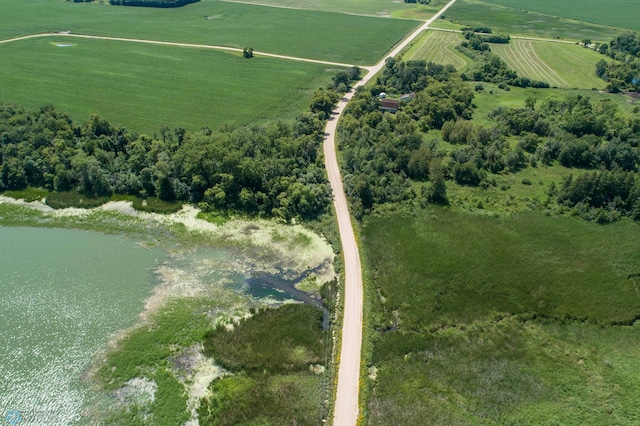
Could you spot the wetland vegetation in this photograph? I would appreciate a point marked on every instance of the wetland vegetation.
(156, 372)
(498, 223)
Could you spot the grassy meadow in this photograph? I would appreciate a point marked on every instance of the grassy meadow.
(521, 22)
(309, 34)
(562, 65)
(523, 319)
(617, 13)
(277, 359)
(144, 87)
(438, 47)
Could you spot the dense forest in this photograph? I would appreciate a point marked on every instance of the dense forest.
(272, 170)
(387, 158)
(152, 3)
(624, 72)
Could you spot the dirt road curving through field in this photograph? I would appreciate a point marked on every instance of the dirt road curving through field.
(346, 409)
(174, 44)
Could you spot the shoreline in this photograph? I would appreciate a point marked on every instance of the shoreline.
(201, 258)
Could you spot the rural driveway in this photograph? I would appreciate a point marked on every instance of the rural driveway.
(346, 405)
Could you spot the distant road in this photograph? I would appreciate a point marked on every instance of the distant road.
(346, 410)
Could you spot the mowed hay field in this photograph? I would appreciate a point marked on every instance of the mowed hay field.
(521, 22)
(309, 34)
(144, 87)
(438, 47)
(523, 319)
(617, 13)
(559, 64)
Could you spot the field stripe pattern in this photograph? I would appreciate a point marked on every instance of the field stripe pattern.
(521, 56)
(438, 47)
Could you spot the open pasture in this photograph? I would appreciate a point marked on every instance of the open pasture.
(380, 8)
(438, 47)
(521, 22)
(615, 13)
(559, 64)
(309, 34)
(144, 87)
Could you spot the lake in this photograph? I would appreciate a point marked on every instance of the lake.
(63, 295)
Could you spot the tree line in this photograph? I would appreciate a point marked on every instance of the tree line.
(624, 72)
(382, 152)
(386, 157)
(272, 169)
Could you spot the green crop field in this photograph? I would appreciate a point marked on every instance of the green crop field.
(521, 22)
(381, 8)
(144, 86)
(559, 64)
(616, 13)
(438, 47)
(525, 319)
(309, 34)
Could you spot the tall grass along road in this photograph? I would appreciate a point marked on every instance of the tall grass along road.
(346, 406)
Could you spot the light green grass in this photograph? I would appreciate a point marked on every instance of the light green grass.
(309, 34)
(496, 319)
(144, 87)
(518, 22)
(617, 13)
(438, 47)
(559, 64)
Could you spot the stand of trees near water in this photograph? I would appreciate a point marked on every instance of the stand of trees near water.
(387, 159)
(272, 170)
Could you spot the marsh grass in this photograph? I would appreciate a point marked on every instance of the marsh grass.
(215, 217)
(274, 341)
(144, 352)
(508, 372)
(28, 194)
(63, 200)
(177, 325)
(524, 319)
(264, 400)
(271, 355)
(527, 263)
